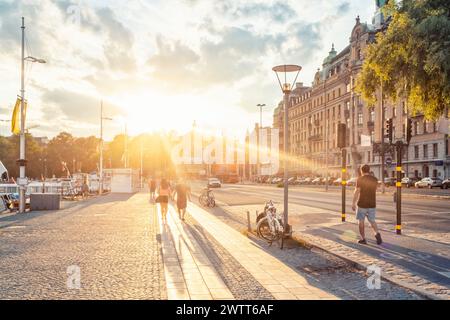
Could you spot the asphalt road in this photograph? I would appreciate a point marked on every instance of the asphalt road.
(426, 214)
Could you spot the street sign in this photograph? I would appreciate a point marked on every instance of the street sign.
(388, 161)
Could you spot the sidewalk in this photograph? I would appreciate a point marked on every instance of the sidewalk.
(417, 261)
(191, 274)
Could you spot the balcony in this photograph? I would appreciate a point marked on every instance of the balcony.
(316, 137)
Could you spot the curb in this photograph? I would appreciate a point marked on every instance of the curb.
(363, 267)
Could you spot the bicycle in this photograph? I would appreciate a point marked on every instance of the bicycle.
(270, 225)
(206, 199)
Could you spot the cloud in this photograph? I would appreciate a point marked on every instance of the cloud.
(232, 57)
(74, 106)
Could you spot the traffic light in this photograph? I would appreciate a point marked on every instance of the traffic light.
(390, 129)
(408, 130)
(341, 135)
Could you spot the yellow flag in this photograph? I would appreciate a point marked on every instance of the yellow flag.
(15, 121)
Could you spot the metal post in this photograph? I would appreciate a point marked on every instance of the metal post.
(286, 160)
(344, 181)
(142, 165)
(100, 189)
(398, 227)
(382, 140)
(22, 188)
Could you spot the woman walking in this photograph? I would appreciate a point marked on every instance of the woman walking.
(163, 197)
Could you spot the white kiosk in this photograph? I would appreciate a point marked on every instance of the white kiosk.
(123, 180)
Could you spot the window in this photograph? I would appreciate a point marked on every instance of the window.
(372, 115)
(435, 150)
(339, 92)
(424, 126)
(394, 111)
(425, 151)
(416, 128)
(405, 109)
(347, 87)
(360, 119)
(416, 152)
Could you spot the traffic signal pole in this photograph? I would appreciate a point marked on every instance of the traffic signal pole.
(398, 227)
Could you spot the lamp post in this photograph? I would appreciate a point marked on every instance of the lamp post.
(100, 169)
(286, 89)
(22, 161)
(261, 106)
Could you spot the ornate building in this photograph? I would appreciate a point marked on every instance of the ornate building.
(315, 111)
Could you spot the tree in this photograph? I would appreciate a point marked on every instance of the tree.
(411, 57)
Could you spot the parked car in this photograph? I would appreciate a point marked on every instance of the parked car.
(352, 182)
(214, 183)
(330, 181)
(292, 180)
(308, 181)
(429, 183)
(446, 184)
(316, 181)
(409, 182)
(338, 182)
(390, 182)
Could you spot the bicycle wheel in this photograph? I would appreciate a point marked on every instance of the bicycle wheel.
(211, 203)
(263, 230)
(203, 200)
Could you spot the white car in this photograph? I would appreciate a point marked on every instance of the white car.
(214, 183)
(429, 183)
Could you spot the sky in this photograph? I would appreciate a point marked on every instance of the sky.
(161, 65)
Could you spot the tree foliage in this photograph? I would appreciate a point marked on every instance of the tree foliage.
(411, 58)
(82, 154)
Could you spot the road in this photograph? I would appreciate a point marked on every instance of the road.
(423, 250)
(415, 212)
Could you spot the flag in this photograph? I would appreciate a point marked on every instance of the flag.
(15, 121)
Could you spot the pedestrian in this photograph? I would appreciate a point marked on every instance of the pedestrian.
(85, 189)
(152, 188)
(163, 197)
(183, 193)
(364, 202)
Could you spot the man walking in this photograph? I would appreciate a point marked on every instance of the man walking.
(364, 202)
(152, 187)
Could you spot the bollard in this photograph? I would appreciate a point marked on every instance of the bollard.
(249, 226)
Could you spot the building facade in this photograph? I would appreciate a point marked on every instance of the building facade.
(315, 112)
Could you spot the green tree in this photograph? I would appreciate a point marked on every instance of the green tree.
(411, 57)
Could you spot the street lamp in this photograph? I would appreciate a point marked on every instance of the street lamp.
(22, 161)
(100, 187)
(286, 88)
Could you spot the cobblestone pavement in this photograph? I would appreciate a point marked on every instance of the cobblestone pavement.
(322, 270)
(239, 281)
(113, 240)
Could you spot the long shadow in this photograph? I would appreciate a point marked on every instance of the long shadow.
(322, 274)
(423, 263)
(241, 283)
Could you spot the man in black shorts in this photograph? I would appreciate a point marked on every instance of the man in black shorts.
(364, 202)
(183, 193)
